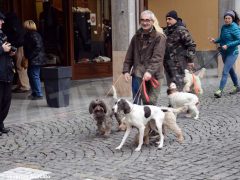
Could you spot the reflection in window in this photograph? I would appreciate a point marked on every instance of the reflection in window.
(50, 18)
(92, 31)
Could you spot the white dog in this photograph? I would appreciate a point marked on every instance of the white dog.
(138, 116)
(193, 82)
(179, 99)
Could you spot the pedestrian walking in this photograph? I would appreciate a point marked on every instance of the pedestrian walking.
(34, 52)
(144, 57)
(229, 40)
(180, 50)
(15, 33)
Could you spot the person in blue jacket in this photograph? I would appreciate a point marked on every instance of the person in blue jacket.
(229, 40)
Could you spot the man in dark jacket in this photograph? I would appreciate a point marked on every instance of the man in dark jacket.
(180, 50)
(145, 57)
(6, 76)
(14, 30)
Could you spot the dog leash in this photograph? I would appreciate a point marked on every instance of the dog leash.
(154, 83)
(195, 85)
(138, 92)
(113, 85)
(208, 62)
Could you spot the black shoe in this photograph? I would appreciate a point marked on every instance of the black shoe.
(20, 91)
(0, 133)
(37, 97)
(4, 130)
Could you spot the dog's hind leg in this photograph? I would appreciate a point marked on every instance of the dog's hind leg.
(159, 127)
(140, 142)
(172, 125)
(194, 111)
(145, 137)
(127, 132)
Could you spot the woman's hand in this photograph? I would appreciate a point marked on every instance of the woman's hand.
(224, 47)
(127, 76)
(212, 40)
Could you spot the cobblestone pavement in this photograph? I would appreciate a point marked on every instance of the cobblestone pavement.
(63, 141)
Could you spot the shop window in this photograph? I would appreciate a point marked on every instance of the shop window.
(50, 23)
(92, 31)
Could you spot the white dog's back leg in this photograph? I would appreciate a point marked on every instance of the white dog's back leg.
(194, 111)
(124, 137)
(141, 134)
(159, 127)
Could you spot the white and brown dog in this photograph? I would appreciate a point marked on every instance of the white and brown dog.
(170, 122)
(180, 99)
(192, 82)
(138, 116)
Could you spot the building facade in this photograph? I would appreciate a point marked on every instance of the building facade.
(92, 36)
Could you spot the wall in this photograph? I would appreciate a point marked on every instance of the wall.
(200, 16)
(123, 15)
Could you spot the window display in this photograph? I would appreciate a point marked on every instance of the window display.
(50, 18)
(92, 31)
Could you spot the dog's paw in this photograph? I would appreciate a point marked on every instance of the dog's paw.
(180, 139)
(159, 145)
(188, 115)
(137, 149)
(196, 117)
(118, 148)
(106, 135)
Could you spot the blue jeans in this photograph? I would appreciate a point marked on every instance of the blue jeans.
(228, 61)
(136, 82)
(34, 80)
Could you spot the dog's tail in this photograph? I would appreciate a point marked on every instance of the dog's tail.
(179, 110)
(175, 110)
(114, 92)
(201, 73)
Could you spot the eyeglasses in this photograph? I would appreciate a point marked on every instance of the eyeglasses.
(146, 20)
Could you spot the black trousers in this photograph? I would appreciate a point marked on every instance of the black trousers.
(5, 100)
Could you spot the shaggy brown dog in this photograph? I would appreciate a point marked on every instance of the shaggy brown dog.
(103, 115)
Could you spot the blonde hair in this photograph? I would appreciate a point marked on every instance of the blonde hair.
(156, 25)
(30, 25)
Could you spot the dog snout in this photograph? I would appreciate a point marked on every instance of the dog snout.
(114, 109)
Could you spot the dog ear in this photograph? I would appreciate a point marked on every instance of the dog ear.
(168, 91)
(126, 107)
(91, 105)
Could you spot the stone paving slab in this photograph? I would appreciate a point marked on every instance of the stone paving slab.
(63, 142)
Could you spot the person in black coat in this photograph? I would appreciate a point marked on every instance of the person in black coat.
(6, 76)
(15, 32)
(34, 52)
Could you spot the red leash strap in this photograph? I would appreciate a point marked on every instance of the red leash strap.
(154, 83)
(195, 86)
(145, 91)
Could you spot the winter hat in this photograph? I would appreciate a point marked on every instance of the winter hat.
(172, 14)
(2, 16)
(230, 13)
